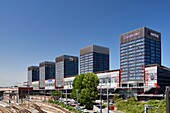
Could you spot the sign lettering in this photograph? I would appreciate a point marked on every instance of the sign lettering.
(132, 35)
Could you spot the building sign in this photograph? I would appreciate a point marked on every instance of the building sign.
(133, 35)
(71, 58)
(140, 33)
(153, 34)
(50, 84)
(137, 33)
(68, 82)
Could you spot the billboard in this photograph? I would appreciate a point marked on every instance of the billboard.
(50, 84)
(68, 82)
(151, 76)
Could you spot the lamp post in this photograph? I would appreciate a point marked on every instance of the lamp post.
(107, 100)
(100, 99)
(61, 95)
(107, 95)
(9, 97)
(167, 99)
(66, 96)
(77, 99)
(28, 96)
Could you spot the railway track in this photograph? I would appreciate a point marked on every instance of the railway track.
(59, 108)
(21, 110)
(4, 110)
(38, 108)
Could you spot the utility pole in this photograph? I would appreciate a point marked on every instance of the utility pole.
(107, 99)
(167, 99)
(9, 97)
(61, 95)
(100, 99)
(66, 96)
(28, 96)
(77, 99)
(107, 94)
(146, 108)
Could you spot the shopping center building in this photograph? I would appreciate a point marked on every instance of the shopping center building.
(140, 73)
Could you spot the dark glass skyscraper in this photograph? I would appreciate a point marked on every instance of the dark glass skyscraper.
(46, 71)
(66, 66)
(94, 59)
(137, 49)
(33, 74)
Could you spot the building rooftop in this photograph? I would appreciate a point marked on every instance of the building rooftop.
(66, 57)
(33, 67)
(46, 63)
(94, 48)
(160, 66)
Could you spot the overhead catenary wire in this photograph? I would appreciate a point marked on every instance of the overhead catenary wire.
(7, 83)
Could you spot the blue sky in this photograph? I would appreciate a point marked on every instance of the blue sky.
(32, 31)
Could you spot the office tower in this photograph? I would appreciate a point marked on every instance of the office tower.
(94, 59)
(138, 48)
(33, 74)
(46, 71)
(66, 66)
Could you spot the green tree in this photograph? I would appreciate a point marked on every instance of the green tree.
(115, 98)
(56, 94)
(86, 84)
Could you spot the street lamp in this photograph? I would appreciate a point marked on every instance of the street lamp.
(107, 95)
(100, 99)
(61, 95)
(107, 100)
(77, 99)
(66, 96)
(9, 97)
(28, 95)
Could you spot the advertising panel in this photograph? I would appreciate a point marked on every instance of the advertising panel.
(68, 82)
(151, 76)
(50, 84)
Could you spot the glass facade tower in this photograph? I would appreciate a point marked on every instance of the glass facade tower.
(94, 59)
(46, 71)
(33, 74)
(66, 66)
(137, 49)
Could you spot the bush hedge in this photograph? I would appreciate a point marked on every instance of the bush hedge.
(131, 105)
(70, 108)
